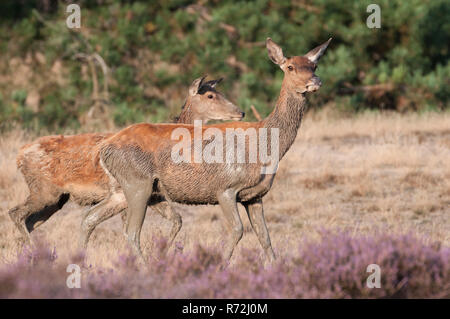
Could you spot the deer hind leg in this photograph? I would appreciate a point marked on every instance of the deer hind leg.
(167, 210)
(227, 201)
(137, 193)
(35, 211)
(255, 214)
(104, 210)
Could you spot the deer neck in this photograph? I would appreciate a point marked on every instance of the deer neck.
(186, 116)
(287, 117)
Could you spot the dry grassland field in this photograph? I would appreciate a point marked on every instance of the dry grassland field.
(372, 174)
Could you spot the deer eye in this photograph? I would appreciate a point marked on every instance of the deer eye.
(291, 68)
(210, 96)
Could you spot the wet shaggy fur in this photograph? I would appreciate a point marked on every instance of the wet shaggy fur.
(140, 156)
(146, 154)
(61, 168)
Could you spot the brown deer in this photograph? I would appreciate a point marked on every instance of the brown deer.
(140, 159)
(59, 168)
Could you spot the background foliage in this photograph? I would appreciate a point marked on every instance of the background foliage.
(155, 49)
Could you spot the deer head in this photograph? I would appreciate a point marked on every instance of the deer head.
(298, 70)
(208, 104)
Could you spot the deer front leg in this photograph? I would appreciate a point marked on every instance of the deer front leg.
(99, 213)
(255, 214)
(227, 201)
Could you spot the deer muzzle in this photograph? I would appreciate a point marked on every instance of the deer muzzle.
(314, 84)
(239, 116)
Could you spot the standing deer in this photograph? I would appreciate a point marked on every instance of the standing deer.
(139, 158)
(59, 168)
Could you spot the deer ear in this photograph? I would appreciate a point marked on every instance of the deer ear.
(275, 52)
(213, 83)
(196, 85)
(315, 54)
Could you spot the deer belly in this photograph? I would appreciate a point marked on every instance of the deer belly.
(86, 195)
(200, 183)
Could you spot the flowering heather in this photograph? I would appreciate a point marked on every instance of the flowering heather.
(334, 267)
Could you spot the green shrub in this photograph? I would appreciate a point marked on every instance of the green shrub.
(409, 54)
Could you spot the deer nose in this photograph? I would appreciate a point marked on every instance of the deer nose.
(315, 81)
(314, 85)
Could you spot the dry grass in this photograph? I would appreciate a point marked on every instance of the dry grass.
(369, 174)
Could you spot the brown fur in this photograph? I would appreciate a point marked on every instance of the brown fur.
(139, 157)
(66, 163)
(56, 167)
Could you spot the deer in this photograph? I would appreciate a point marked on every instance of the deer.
(62, 168)
(140, 159)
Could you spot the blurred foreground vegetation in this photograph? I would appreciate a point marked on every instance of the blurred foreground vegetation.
(155, 49)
